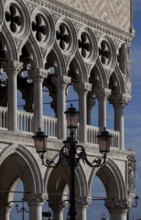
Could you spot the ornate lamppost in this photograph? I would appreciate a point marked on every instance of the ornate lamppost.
(72, 153)
(22, 209)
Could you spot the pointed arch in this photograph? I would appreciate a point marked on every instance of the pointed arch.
(77, 69)
(55, 59)
(26, 167)
(112, 179)
(10, 45)
(32, 55)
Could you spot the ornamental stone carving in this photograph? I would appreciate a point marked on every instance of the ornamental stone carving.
(131, 173)
(43, 28)
(66, 36)
(17, 19)
(117, 205)
(34, 199)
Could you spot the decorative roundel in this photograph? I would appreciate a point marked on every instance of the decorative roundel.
(107, 52)
(17, 18)
(87, 45)
(66, 36)
(43, 28)
(1, 14)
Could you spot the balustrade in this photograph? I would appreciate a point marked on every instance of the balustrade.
(25, 122)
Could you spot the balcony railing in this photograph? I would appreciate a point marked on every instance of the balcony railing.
(93, 131)
(25, 123)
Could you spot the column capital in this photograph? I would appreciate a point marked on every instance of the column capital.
(61, 80)
(38, 73)
(102, 93)
(34, 199)
(13, 67)
(84, 201)
(119, 99)
(57, 205)
(83, 87)
(117, 205)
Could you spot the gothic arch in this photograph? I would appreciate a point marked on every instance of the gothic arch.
(77, 69)
(55, 184)
(55, 58)
(33, 52)
(112, 181)
(10, 44)
(24, 166)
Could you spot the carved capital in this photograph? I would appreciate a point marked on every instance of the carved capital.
(103, 93)
(13, 67)
(34, 199)
(83, 87)
(83, 201)
(37, 74)
(118, 205)
(56, 205)
(61, 81)
(120, 99)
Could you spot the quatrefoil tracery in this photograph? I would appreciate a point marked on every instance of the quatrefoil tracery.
(40, 28)
(84, 45)
(63, 37)
(14, 18)
(105, 53)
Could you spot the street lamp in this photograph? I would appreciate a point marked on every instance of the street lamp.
(72, 153)
(22, 209)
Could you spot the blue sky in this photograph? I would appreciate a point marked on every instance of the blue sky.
(132, 111)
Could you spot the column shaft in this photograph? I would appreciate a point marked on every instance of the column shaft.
(12, 70)
(38, 76)
(82, 89)
(61, 83)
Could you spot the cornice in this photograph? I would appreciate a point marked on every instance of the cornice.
(57, 7)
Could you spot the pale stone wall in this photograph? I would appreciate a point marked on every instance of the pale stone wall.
(114, 12)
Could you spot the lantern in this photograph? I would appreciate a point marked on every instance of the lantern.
(104, 140)
(72, 117)
(40, 140)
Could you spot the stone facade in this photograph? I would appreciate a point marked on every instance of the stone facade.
(48, 46)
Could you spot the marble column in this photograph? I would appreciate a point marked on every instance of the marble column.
(119, 101)
(82, 205)
(102, 95)
(35, 203)
(61, 83)
(12, 70)
(57, 209)
(118, 208)
(38, 76)
(82, 89)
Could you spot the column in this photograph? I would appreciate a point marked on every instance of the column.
(82, 205)
(119, 101)
(38, 76)
(118, 208)
(82, 89)
(57, 209)
(7, 213)
(61, 83)
(102, 95)
(12, 70)
(90, 104)
(35, 203)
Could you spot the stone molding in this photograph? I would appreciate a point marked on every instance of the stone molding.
(34, 199)
(103, 93)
